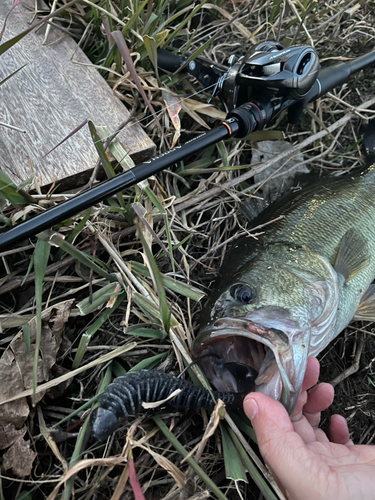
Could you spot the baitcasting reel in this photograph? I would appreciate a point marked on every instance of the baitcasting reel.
(270, 71)
(286, 73)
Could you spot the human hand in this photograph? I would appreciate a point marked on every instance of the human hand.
(305, 463)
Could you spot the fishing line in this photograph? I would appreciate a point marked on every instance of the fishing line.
(196, 360)
(166, 107)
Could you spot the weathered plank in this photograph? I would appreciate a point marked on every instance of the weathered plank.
(49, 98)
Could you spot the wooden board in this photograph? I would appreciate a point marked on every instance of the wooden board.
(49, 98)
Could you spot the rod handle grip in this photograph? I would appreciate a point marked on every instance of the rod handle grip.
(168, 61)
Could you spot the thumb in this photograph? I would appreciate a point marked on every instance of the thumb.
(276, 438)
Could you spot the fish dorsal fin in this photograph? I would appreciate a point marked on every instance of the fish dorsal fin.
(366, 308)
(353, 254)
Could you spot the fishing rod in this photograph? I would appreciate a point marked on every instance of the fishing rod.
(254, 90)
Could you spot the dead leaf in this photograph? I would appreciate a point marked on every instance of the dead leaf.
(16, 367)
(173, 107)
(205, 109)
(9, 434)
(51, 442)
(217, 414)
(85, 464)
(155, 404)
(193, 114)
(19, 458)
(58, 390)
(167, 465)
(113, 297)
(70, 374)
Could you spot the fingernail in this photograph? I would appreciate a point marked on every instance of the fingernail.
(251, 408)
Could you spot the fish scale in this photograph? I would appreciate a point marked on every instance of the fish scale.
(319, 217)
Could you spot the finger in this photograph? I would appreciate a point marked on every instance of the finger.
(311, 378)
(303, 428)
(311, 374)
(283, 449)
(319, 399)
(297, 412)
(339, 431)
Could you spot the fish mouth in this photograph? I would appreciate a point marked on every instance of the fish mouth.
(276, 352)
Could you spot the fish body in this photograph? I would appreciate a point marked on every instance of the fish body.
(287, 295)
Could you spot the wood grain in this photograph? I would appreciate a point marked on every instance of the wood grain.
(49, 98)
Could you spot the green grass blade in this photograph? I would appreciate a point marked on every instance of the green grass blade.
(120, 154)
(170, 283)
(146, 364)
(183, 23)
(52, 237)
(9, 43)
(245, 427)
(9, 191)
(30, 266)
(75, 232)
(149, 333)
(257, 476)
(193, 464)
(158, 282)
(202, 164)
(76, 412)
(149, 363)
(5, 220)
(134, 17)
(173, 18)
(234, 468)
(223, 153)
(110, 173)
(151, 48)
(86, 337)
(83, 437)
(161, 209)
(198, 170)
(41, 255)
(204, 46)
(150, 309)
(92, 303)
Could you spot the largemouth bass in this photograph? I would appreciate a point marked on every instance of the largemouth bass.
(287, 295)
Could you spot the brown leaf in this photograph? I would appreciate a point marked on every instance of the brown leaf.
(167, 465)
(16, 364)
(173, 107)
(9, 434)
(58, 390)
(19, 458)
(205, 109)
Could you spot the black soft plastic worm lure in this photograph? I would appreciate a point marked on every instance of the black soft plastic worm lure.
(124, 396)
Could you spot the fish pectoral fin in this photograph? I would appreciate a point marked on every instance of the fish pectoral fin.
(353, 254)
(366, 308)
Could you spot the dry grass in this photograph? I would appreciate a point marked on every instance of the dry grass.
(203, 218)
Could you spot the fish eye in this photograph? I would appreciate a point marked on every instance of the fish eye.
(244, 294)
